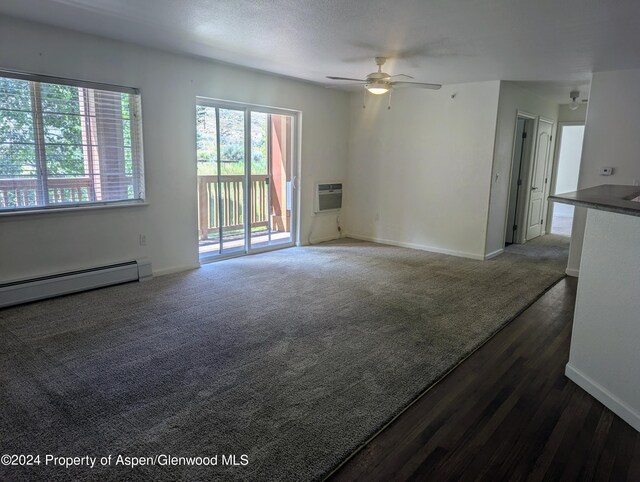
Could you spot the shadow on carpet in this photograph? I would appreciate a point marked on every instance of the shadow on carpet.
(293, 358)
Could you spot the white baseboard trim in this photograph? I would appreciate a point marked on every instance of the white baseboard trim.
(575, 273)
(422, 247)
(493, 254)
(608, 399)
(175, 269)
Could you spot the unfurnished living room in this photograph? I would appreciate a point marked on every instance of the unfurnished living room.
(297, 240)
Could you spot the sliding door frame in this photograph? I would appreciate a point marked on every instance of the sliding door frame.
(295, 165)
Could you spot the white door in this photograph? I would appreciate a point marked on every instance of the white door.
(538, 180)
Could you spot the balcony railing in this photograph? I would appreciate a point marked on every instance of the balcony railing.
(230, 210)
(16, 193)
(25, 193)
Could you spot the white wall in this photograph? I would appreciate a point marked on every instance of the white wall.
(611, 138)
(604, 358)
(418, 174)
(567, 115)
(41, 244)
(512, 98)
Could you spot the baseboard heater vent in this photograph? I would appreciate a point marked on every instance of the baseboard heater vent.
(24, 291)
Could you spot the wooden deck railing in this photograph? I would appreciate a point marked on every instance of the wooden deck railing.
(25, 192)
(231, 207)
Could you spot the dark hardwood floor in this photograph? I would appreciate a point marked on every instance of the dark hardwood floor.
(507, 413)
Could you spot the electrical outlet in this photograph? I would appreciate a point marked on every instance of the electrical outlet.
(143, 240)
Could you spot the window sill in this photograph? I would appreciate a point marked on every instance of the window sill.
(72, 209)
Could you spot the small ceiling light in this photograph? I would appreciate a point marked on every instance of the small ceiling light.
(573, 105)
(378, 88)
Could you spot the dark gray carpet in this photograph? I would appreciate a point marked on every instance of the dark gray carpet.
(294, 357)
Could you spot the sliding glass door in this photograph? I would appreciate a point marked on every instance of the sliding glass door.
(245, 178)
(271, 179)
(221, 180)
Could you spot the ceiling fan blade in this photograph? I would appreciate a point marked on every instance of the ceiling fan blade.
(421, 85)
(403, 75)
(345, 78)
(347, 84)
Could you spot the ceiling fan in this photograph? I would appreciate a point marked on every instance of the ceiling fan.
(380, 82)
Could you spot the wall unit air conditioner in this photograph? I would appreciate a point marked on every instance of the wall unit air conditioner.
(328, 197)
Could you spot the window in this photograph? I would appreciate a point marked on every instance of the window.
(66, 143)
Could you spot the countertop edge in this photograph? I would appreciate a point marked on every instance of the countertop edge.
(615, 198)
(595, 205)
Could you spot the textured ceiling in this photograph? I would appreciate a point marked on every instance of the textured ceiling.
(435, 41)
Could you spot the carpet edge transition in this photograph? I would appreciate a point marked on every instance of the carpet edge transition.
(423, 392)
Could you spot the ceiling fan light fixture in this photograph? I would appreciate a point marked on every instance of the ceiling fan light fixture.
(378, 88)
(573, 105)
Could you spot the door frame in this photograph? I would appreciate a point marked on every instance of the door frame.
(295, 169)
(556, 159)
(519, 215)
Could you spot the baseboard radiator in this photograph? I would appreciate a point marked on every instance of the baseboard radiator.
(26, 290)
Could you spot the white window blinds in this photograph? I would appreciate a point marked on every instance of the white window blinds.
(68, 143)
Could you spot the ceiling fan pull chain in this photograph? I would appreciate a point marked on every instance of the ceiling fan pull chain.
(364, 98)
(389, 104)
